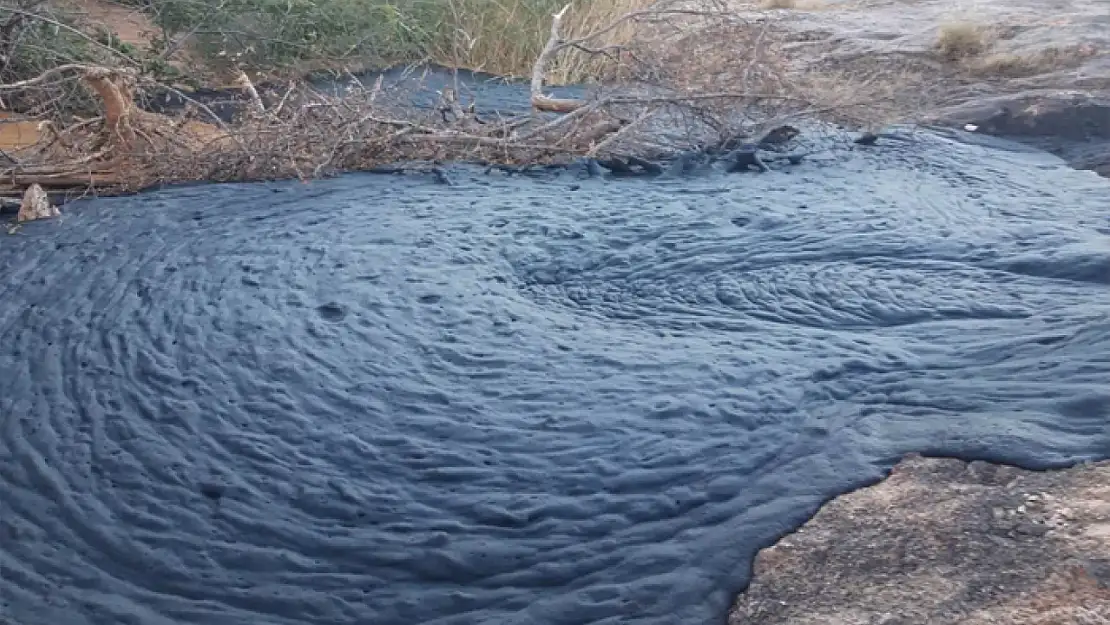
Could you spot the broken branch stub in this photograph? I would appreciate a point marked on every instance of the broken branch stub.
(244, 82)
(116, 89)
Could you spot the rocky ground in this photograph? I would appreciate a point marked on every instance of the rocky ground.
(943, 541)
(1032, 69)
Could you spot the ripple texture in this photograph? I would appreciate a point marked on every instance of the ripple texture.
(521, 400)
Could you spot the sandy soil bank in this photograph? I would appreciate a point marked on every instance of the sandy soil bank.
(943, 541)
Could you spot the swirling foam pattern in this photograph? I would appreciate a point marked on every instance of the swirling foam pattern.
(382, 400)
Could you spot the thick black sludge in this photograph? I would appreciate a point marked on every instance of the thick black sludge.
(542, 399)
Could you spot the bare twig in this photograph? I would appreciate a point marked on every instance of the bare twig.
(604, 145)
(628, 17)
(41, 78)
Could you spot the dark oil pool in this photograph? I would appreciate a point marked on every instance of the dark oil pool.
(379, 400)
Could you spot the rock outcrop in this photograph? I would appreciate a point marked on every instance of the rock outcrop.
(943, 541)
(1042, 80)
(1071, 124)
(36, 205)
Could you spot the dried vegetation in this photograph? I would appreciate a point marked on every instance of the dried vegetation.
(665, 103)
(799, 5)
(968, 46)
(1004, 65)
(300, 132)
(961, 40)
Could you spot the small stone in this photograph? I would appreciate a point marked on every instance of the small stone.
(36, 205)
(867, 138)
(1032, 529)
(1099, 570)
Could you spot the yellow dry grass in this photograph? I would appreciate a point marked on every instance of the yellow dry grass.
(797, 5)
(478, 43)
(1011, 65)
(584, 18)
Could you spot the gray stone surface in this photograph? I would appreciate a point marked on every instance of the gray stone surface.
(942, 541)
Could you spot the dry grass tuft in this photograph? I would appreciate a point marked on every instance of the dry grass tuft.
(584, 18)
(504, 38)
(1010, 65)
(1005, 65)
(795, 5)
(961, 40)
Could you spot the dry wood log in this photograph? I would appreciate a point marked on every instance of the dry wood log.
(58, 179)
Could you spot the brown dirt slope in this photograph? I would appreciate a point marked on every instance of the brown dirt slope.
(945, 542)
(128, 23)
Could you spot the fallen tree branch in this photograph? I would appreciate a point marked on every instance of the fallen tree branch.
(310, 134)
(541, 101)
(556, 44)
(190, 100)
(560, 121)
(701, 97)
(597, 149)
